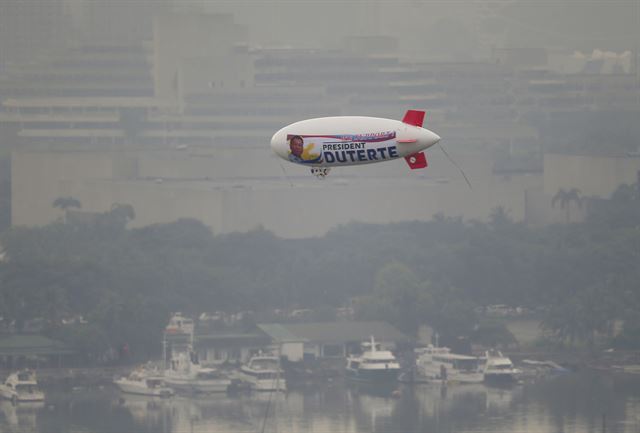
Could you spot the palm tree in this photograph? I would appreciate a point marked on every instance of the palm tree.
(565, 198)
(64, 203)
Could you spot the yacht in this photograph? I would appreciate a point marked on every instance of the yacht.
(186, 374)
(373, 364)
(179, 324)
(499, 368)
(21, 386)
(439, 364)
(144, 382)
(263, 373)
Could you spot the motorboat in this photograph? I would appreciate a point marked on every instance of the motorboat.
(186, 374)
(373, 364)
(21, 386)
(499, 368)
(263, 373)
(439, 364)
(144, 382)
(179, 324)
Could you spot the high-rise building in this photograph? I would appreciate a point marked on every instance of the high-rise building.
(31, 29)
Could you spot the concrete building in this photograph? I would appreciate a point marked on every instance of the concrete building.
(182, 42)
(593, 176)
(597, 176)
(33, 351)
(215, 338)
(215, 348)
(109, 23)
(31, 31)
(201, 151)
(309, 341)
(256, 193)
(180, 127)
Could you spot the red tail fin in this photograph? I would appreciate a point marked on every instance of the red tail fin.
(413, 117)
(417, 160)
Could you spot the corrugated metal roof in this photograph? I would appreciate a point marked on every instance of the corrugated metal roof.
(334, 332)
(280, 332)
(228, 336)
(31, 345)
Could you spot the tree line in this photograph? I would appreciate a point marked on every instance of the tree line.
(581, 278)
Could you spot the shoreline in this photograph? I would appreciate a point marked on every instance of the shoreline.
(574, 360)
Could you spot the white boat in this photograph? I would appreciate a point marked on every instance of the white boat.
(499, 368)
(263, 373)
(186, 374)
(373, 364)
(439, 364)
(179, 324)
(144, 382)
(21, 386)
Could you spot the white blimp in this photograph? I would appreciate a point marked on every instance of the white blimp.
(354, 140)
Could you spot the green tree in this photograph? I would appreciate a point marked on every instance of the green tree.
(622, 209)
(397, 298)
(588, 314)
(125, 281)
(120, 214)
(492, 333)
(400, 287)
(449, 311)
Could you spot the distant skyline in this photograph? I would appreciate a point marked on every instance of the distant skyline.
(425, 29)
(208, 83)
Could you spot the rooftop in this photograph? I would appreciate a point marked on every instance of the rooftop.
(334, 332)
(29, 345)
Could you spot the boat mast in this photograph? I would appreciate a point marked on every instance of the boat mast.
(164, 351)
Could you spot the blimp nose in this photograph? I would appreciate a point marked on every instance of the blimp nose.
(430, 138)
(434, 138)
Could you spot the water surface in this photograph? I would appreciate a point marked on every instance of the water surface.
(578, 403)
